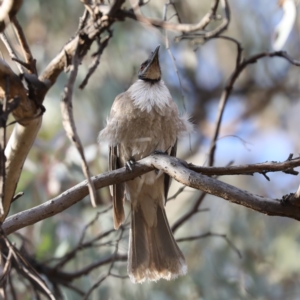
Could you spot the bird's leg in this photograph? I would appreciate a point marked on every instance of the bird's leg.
(130, 164)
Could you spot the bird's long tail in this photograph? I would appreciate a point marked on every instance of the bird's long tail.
(153, 252)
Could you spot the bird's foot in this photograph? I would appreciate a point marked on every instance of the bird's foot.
(130, 164)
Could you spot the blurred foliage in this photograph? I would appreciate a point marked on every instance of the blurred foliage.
(261, 123)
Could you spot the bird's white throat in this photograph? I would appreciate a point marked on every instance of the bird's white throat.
(147, 95)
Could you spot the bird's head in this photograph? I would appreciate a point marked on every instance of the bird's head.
(150, 69)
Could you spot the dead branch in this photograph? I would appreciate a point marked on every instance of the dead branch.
(70, 127)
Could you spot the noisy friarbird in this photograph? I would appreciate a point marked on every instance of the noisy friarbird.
(142, 120)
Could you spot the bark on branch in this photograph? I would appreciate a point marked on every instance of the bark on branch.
(177, 169)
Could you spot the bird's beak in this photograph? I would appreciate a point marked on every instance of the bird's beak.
(154, 56)
(151, 70)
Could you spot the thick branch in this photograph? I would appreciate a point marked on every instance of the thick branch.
(22, 137)
(175, 168)
(16, 151)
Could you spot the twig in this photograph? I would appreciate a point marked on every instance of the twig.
(70, 255)
(179, 191)
(25, 268)
(103, 277)
(101, 46)
(74, 288)
(84, 271)
(211, 234)
(70, 128)
(12, 288)
(99, 213)
(119, 276)
(11, 51)
(5, 271)
(169, 49)
(29, 60)
(194, 210)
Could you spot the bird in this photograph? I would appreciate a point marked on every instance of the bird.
(142, 120)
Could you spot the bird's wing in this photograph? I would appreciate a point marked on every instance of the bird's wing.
(117, 190)
(167, 178)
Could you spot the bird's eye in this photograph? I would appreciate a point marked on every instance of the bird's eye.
(143, 65)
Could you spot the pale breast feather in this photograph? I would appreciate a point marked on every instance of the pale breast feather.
(147, 96)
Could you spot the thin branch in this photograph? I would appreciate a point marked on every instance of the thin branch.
(12, 287)
(179, 191)
(286, 166)
(89, 224)
(211, 234)
(70, 127)
(194, 210)
(5, 271)
(29, 60)
(22, 266)
(92, 68)
(11, 51)
(169, 49)
(69, 276)
(102, 278)
(70, 255)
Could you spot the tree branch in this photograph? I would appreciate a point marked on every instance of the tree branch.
(285, 166)
(174, 167)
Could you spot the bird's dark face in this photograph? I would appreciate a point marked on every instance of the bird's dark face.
(150, 69)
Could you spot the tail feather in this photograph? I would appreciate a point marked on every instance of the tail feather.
(153, 252)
